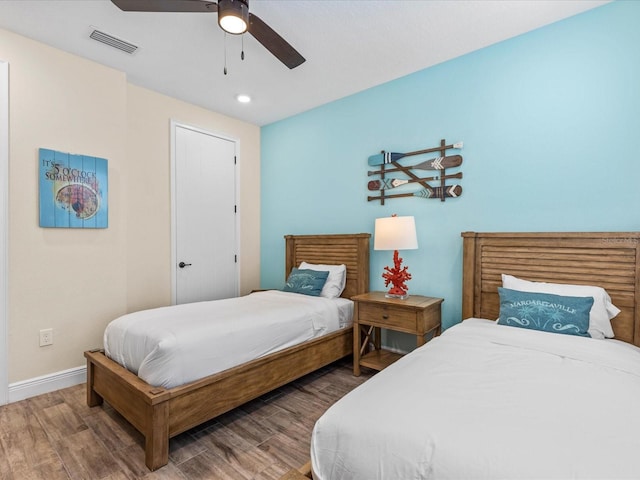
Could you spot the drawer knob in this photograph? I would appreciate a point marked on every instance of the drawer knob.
(385, 316)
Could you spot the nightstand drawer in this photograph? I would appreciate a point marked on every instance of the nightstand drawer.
(387, 316)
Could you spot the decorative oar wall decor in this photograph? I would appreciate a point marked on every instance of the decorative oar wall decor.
(388, 162)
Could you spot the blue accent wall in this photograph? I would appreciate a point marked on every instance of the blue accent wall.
(550, 122)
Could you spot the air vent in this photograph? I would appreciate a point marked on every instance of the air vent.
(113, 41)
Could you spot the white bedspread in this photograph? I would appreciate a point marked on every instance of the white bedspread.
(174, 345)
(485, 401)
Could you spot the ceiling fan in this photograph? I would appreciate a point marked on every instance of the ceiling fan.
(233, 17)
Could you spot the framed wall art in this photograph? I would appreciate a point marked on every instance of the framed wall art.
(73, 190)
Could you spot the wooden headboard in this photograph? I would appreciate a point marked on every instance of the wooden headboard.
(349, 249)
(607, 259)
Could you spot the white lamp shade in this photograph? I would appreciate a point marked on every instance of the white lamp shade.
(395, 233)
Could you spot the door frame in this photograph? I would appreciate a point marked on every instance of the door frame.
(174, 233)
(4, 218)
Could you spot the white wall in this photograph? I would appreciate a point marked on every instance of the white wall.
(75, 281)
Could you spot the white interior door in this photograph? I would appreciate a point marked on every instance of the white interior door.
(205, 237)
(4, 216)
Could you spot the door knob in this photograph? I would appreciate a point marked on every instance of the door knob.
(182, 264)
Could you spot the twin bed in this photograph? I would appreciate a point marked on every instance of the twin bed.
(481, 401)
(489, 401)
(171, 403)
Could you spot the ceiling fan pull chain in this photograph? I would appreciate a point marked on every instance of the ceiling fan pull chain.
(225, 53)
(242, 52)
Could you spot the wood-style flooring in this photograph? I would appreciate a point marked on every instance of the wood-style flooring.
(56, 436)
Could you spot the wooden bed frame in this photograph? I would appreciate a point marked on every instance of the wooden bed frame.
(607, 259)
(160, 414)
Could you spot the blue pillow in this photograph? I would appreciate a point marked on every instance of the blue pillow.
(308, 282)
(544, 311)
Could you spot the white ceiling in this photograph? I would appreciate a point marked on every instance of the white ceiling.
(349, 45)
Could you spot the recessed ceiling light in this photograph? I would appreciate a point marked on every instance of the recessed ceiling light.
(243, 98)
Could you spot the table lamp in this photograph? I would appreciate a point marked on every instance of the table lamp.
(396, 233)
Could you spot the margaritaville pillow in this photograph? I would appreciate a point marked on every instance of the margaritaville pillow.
(601, 313)
(306, 281)
(545, 311)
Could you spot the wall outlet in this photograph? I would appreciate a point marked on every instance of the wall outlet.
(46, 337)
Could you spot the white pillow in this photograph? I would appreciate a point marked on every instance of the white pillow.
(336, 280)
(601, 313)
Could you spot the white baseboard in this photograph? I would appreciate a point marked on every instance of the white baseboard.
(396, 350)
(388, 348)
(47, 383)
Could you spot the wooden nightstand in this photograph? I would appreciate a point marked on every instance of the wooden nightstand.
(417, 315)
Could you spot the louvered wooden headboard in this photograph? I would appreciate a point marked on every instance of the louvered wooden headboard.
(606, 259)
(351, 250)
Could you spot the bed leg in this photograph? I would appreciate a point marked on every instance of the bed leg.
(93, 399)
(306, 469)
(156, 449)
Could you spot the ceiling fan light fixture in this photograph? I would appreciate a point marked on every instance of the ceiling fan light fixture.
(233, 16)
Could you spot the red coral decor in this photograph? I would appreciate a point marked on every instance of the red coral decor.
(397, 276)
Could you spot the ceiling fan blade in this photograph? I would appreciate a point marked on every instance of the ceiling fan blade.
(273, 42)
(166, 5)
